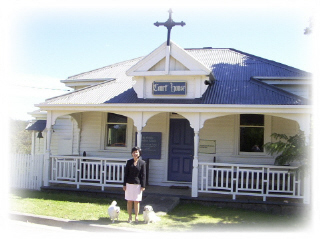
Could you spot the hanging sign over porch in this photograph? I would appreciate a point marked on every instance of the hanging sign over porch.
(169, 88)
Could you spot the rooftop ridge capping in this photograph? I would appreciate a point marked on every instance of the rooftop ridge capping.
(82, 89)
(282, 78)
(207, 48)
(265, 60)
(103, 67)
(95, 79)
(271, 62)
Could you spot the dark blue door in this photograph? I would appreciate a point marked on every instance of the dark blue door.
(180, 150)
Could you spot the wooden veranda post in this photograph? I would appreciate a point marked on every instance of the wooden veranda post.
(46, 169)
(195, 164)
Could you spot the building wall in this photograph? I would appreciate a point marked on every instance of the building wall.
(64, 140)
(224, 131)
(91, 132)
(158, 167)
(284, 126)
(62, 136)
(221, 129)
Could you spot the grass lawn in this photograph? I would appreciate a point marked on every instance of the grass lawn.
(185, 217)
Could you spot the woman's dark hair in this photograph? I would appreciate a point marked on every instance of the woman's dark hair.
(136, 149)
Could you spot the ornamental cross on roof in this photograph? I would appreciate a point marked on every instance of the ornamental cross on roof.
(169, 24)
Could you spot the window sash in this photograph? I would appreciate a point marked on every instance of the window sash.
(252, 120)
(116, 131)
(115, 118)
(251, 139)
(252, 130)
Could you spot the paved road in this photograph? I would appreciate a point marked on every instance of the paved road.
(26, 225)
(20, 229)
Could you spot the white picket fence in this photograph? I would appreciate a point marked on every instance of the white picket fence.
(251, 180)
(26, 171)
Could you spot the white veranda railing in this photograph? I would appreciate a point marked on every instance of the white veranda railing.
(251, 180)
(94, 171)
(29, 172)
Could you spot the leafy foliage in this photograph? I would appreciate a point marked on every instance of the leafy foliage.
(290, 148)
(20, 138)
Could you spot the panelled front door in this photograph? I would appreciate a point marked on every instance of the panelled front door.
(180, 150)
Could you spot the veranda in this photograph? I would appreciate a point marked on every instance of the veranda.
(265, 181)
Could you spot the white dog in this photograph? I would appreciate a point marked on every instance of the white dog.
(149, 215)
(114, 211)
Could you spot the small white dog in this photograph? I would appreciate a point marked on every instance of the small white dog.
(114, 211)
(149, 215)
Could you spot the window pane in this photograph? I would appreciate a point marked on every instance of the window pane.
(116, 135)
(251, 139)
(114, 118)
(251, 119)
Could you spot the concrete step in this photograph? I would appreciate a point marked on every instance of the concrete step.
(161, 204)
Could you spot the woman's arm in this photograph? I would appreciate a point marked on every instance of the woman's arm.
(126, 173)
(143, 175)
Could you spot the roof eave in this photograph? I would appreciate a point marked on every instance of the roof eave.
(181, 108)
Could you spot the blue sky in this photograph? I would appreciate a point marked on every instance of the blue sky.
(51, 42)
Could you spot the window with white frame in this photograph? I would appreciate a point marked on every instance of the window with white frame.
(252, 133)
(116, 130)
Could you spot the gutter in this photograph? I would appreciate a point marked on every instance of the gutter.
(181, 108)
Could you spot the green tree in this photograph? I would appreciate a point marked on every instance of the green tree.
(20, 138)
(290, 148)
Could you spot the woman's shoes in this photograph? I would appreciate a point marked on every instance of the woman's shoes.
(130, 220)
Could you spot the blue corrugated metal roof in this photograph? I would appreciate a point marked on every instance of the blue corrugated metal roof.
(233, 70)
(228, 92)
(250, 92)
(130, 96)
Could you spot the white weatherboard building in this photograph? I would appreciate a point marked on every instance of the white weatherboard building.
(201, 117)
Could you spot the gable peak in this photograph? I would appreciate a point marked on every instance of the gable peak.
(168, 60)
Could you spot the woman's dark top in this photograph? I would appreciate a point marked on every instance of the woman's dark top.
(135, 174)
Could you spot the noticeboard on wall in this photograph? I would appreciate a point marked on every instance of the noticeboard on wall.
(151, 145)
(207, 146)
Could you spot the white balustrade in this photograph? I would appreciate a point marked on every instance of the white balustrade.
(222, 178)
(92, 171)
(250, 180)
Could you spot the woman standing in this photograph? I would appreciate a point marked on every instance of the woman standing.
(134, 182)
